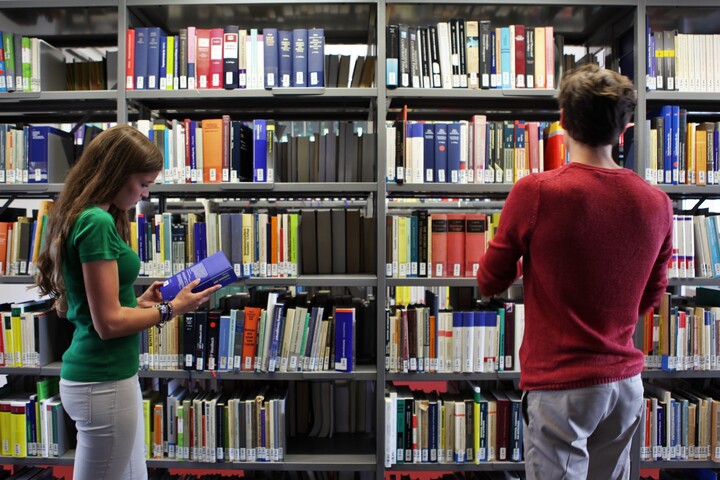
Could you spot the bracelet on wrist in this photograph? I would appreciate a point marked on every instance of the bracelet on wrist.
(166, 313)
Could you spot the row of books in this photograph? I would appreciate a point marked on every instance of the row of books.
(280, 337)
(462, 53)
(424, 244)
(31, 336)
(21, 240)
(27, 472)
(261, 243)
(696, 250)
(34, 154)
(682, 62)
(681, 337)
(681, 152)
(228, 57)
(29, 64)
(34, 424)
(680, 422)
(418, 339)
(475, 151)
(470, 426)
(215, 426)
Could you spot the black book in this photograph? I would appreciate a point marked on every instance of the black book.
(414, 58)
(212, 340)
(434, 52)
(230, 57)
(485, 53)
(530, 57)
(404, 64)
(425, 68)
(462, 41)
(392, 45)
(201, 319)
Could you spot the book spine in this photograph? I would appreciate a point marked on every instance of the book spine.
(316, 57)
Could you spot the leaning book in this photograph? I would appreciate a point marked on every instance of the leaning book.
(213, 270)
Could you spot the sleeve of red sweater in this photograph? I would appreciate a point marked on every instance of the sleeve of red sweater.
(499, 266)
(657, 283)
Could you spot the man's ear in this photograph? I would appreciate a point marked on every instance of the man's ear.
(562, 118)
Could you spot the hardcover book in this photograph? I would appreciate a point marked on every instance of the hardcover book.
(213, 270)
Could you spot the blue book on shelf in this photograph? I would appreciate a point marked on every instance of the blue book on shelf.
(50, 151)
(429, 152)
(213, 270)
(192, 135)
(270, 57)
(276, 337)
(153, 57)
(3, 74)
(712, 227)
(141, 58)
(285, 60)
(505, 77)
(675, 153)
(413, 247)
(162, 73)
(223, 344)
(344, 339)
(494, 83)
(200, 231)
(316, 57)
(300, 60)
(441, 152)
(453, 149)
(666, 113)
(259, 150)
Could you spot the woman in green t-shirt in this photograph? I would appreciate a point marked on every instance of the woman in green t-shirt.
(88, 266)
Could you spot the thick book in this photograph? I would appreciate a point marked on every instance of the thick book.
(213, 270)
(344, 339)
(230, 57)
(285, 58)
(141, 58)
(270, 57)
(300, 57)
(316, 57)
(50, 152)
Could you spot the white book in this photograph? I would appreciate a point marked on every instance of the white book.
(468, 342)
(262, 244)
(519, 333)
(443, 33)
(464, 146)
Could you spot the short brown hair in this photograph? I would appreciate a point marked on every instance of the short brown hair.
(597, 104)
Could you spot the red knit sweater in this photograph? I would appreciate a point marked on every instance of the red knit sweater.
(595, 245)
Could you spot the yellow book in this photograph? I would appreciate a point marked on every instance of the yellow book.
(170, 70)
(6, 428)
(190, 240)
(18, 428)
(134, 236)
(701, 157)
(248, 245)
(294, 232)
(402, 247)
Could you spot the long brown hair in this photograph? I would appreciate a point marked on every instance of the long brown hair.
(101, 172)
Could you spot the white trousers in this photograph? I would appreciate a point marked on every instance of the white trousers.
(582, 433)
(109, 421)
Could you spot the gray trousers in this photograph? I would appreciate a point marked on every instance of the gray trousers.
(582, 433)
(108, 417)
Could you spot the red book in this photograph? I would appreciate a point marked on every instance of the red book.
(202, 59)
(130, 60)
(455, 244)
(502, 426)
(438, 224)
(217, 64)
(554, 147)
(252, 317)
(475, 238)
(531, 146)
(519, 56)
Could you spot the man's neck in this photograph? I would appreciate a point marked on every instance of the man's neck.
(600, 156)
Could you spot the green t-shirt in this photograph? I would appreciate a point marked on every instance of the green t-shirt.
(89, 358)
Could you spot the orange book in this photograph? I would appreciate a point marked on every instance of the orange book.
(212, 138)
(475, 227)
(252, 317)
(158, 430)
(439, 227)
(555, 147)
(433, 345)
(202, 57)
(455, 244)
(701, 156)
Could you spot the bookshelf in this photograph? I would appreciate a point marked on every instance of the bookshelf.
(581, 22)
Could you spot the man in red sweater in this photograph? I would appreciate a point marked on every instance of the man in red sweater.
(595, 241)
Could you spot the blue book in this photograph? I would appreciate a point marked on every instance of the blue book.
(223, 351)
(270, 57)
(259, 150)
(213, 270)
(493, 61)
(505, 77)
(192, 136)
(666, 114)
(239, 319)
(50, 151)
(716, 150)
(429, 152)
(316, 57)
(153, 57)
(441, 153)
(276, 329)
(141, 57)
(712, 228)
(344, 339)
(453, 152)
(675, 143)
(200, 231)
(162, 75)
(413, 247)
(231, 52)
(141, 223)
(432, 429)
(300, 60)
(285, 57)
